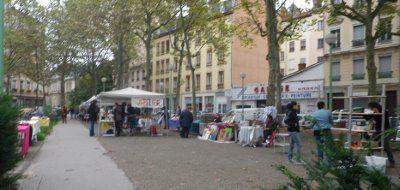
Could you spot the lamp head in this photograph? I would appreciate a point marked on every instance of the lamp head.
(330, 39)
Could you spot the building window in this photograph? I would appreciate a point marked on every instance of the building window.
(385, 66)
(387, 25)
(221, 79)
(167, 65)
(187, 88)
(303, 45)
(167, 85)
(158, 49)
(28, 85)
(162, 48)
(143, 87)
(282, 56)
(198, 60)
(336, 71)
(158, 67)
(320, 25)
(221, 57)
(209, 103)
(320, 59)
(303, 61)
(358, 35)
(282, 71)
(137, 75)
(167, 46)
(133, 76)
(143, 74)
(158, 85)
(320, 43)
(162, 66)
(209, 57)
(198, 82)
(21, 85)
(358, 69)
(291, 46)
(337, 33)
(208, 81)
(188, 66)
(175, 83)
(14, 84)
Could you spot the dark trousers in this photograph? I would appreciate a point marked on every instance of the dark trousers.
(118, 127)
(91, 130)
(184, 131)
(388, 150)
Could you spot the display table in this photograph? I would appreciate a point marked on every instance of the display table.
(173, 123)
(23, 137)
(43, 121)
(250, 135)
(35, 129)
(104, 126)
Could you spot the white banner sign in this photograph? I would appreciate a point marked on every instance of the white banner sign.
(147, 103)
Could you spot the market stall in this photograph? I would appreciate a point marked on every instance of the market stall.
(136, 97)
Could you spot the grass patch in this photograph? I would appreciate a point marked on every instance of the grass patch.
(41, 136)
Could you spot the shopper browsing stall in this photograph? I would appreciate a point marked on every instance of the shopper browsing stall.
(118, 118)
(93, 112)
(376, 120)
(292, 122)
(186, 120)
(322, 127)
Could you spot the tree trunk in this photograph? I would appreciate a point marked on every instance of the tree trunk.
(37, 78)
(120, 75)
(8, 84)
(273, 52)
(278, 103)
(178, 86)
(62, 90)
(371, 67)
(192, 69)
(147, 43)
(44, 95)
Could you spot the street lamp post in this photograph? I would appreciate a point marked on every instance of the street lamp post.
(171, 68)
(243, 75)
(104, 80)
(1, 46)
(330, 39)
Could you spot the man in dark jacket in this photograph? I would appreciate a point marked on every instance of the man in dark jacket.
(186, 120)
(93, 112)
(118, 118)
(293, 127)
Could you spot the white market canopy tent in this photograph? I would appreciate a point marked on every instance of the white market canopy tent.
(87, 103)
(137, 97)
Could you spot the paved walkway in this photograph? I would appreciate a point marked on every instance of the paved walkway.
(69, 159)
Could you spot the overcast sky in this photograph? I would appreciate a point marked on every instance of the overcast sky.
(299, 3)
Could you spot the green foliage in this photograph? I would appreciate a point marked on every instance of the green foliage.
(346, 170)
(45, 130)
(41, 136)
(9, 155)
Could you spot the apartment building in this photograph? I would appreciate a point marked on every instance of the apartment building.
(137, 76)
(306, 50)
(23, 90)
(55, 90)
(215, 73)
(349, 61)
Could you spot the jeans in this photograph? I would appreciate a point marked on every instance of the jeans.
(184, 132)
(294, 142)
(91, 130)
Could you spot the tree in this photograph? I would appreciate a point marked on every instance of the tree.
(150, 16)
(376, 17)
(198, 22)
(270, 19)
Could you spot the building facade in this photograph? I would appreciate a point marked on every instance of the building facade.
(55, 91)
(306, 50)
(215, 73)
(349, 61)
(23, 91)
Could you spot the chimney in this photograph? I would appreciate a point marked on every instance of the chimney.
(302, 66)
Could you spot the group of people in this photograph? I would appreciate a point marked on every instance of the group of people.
(64, 112)
(125, 114)
(321, 127)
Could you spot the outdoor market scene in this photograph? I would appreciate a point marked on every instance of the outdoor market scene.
(199, 94)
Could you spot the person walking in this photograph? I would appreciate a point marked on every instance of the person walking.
(377, 126)
(178, 111)
(186, 120)
(93, 113)
(165, 115)
(322, 128)
(64, 114)
(293, 127)
(72, 113)
(118, 118)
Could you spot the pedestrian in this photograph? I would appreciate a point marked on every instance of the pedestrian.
(118, 118)
(322, 129)
(271, 125)
(165, 115)
(186, 120)
(293, 127)
(376, 121)
(64, 114)
(178, 111)
(72, 112)
(93, 113)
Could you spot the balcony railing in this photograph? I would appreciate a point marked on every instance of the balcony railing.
(357, 43)
(359, 76)
(385, 74)
(221, 86)
(336, 78)
(209, 63)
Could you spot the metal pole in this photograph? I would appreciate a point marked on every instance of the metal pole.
(171, 82)
(330, 78)
(104, 86)
(243, 99)
(1, 46)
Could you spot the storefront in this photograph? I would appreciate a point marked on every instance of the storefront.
(208, 102)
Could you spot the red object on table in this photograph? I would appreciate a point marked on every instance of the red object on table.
(23, 136)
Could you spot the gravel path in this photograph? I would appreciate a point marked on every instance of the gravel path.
(174, 163)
